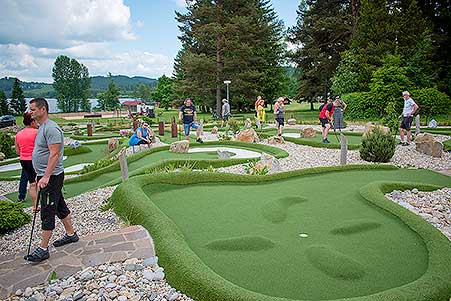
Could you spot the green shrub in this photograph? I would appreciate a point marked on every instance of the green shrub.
(6, 145)
(254, 168)
(360, 106)
(234, 125)
(76, 151)
(431, 101)
(12, 216)
(377, 146)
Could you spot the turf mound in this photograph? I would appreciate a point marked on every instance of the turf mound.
(215, 242)
(243, 243)
(334, 263)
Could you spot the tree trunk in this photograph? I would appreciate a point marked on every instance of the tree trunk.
(311, 105)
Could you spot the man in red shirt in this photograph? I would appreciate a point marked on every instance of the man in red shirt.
(325, 117)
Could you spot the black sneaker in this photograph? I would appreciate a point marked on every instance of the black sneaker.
(405, 144)
(21, 200)
(199, 140)
(66, 239)
(38, 255)
(400, 143)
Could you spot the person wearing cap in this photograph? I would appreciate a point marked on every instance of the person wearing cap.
(188, 116)
(279, 111)
(225, 113)
(410, 107)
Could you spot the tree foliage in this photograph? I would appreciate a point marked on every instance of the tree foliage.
(4, 108)
(71, 82)
(237, 40)
(17, 101)
(143, 92)
(164, 92)
(109, 99)
(323, 31)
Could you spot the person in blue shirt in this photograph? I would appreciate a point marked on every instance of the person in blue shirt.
(188, 116)
(140, 136)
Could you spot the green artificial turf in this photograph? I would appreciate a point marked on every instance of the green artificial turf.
(439, 131)
(152, 159)
(231, 237)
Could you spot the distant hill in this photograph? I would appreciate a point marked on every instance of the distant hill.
(98, 84)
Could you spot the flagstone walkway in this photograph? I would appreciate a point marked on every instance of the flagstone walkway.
(130, 242)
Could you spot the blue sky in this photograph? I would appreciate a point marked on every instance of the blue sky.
(130, 37)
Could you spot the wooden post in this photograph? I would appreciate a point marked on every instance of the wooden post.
(161, 128)
(123, 164)
(89, 129)
(173, 128)
(417, 125)
(344, 149)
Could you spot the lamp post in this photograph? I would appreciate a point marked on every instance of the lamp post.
(227, 82)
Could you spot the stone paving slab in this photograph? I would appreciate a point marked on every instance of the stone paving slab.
(92, 250)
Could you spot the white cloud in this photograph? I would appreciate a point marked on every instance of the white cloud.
(35, 64)
(63, 23)
(139, 24)
(181, 3)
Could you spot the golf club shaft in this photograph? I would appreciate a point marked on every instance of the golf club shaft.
(34, 222)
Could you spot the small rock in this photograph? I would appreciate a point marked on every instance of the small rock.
(158, 276)
(130, 267)
(173, 297)
(152, 296)
(28, 292)
(87, 276)
(122, 298)
(113, 294)
(148, 274)
(19, 292)
(415, 190)
(110, 285)
(152, 261)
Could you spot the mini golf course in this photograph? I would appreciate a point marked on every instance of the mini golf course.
(317, 234)
(354, 138)
(201, 156)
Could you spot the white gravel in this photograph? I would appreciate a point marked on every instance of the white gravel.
(434, 207)
(87, 217)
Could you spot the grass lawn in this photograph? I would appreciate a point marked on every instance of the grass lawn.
(440, 131)
(247, 231)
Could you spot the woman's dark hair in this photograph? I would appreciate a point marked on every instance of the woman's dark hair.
(27, 120)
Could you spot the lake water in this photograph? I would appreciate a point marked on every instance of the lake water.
(53, 103)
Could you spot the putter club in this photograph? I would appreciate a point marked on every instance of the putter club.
(26, 257)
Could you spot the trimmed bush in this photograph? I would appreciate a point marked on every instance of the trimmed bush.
(6, 145)
(431, 101)
(377, 146)
(76, 151)
(447, 145)
(12, 216)
(360, 106)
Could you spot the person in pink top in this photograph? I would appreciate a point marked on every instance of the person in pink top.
(24, 148)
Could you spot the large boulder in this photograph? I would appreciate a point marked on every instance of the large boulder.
(180, 147)
(291, 121)
(113, 144)
(369, 127)
(308, 133)
(270, 162)
(214, 130)
(249, 136)
(426, 144)
(276, 140)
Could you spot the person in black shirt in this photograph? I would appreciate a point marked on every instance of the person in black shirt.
(188, 116)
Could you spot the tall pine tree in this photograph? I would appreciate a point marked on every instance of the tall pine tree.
(235, 40)
(323, 31)
(4, 108)
(17, 101)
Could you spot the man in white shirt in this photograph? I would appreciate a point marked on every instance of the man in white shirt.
(409, 109)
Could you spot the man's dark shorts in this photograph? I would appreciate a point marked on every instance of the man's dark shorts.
(406, 123)
(280, 121)
(28, 169)
(226, 117)
(52, 202)
(324, 121)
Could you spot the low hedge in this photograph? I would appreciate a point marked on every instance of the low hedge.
(12, 216)
(190, 274)
(94, 137)
(76, 151)
(447, 145)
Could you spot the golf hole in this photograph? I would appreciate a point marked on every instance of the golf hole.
(303, 235)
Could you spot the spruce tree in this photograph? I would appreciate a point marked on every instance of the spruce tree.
(323, 31)
(17, 101)
(4, 108)
(233, 40)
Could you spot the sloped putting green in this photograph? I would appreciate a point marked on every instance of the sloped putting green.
(322, 234)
